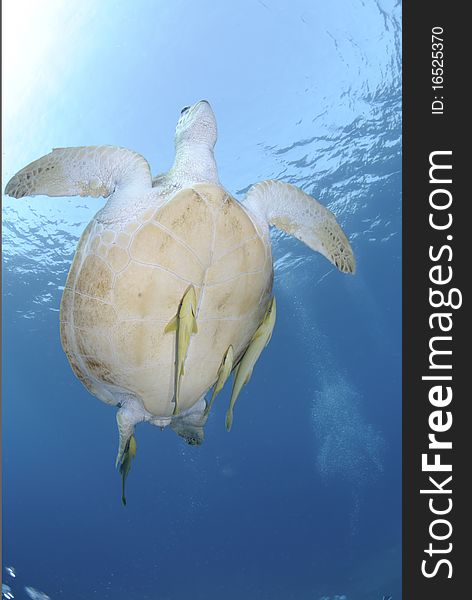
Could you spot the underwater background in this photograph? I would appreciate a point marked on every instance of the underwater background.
(302, 500)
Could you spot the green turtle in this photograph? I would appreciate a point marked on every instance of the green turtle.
(172, 278)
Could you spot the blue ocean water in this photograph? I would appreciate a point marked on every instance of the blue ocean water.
(302, 500)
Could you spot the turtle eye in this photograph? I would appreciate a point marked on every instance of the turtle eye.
(184, 110)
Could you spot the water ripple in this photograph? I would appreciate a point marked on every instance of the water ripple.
(347, 155)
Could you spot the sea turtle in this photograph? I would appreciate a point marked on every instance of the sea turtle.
(170, 287)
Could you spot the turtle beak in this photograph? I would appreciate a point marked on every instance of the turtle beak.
(204, 104)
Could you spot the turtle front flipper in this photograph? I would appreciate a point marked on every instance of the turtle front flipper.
(288, 208)
(82, 171)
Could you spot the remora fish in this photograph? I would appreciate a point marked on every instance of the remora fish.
(125, 465)
(184, 323)
(223, 374)
(243, 371)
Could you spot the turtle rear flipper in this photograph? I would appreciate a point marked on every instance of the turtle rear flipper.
(127, 417)
(190, 426)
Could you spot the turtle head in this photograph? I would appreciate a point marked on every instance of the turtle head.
(196, 125)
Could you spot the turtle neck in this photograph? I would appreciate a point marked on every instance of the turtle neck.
(194, 162)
